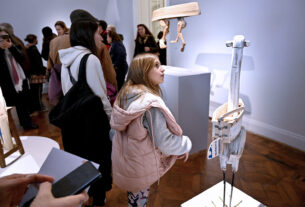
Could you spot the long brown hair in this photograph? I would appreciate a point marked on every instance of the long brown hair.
(114, 36)
(147, 31)
(138, 77)
(62, 25)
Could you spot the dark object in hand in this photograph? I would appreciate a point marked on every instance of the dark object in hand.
(5, 37)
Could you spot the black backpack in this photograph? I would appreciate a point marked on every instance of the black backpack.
(76, 100)
(80, 115)
(84, 124)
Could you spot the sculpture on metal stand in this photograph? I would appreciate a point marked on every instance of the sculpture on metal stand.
(176, 11)
(228, 133)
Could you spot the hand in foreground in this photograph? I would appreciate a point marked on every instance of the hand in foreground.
(5, 44)
(185, 156)
(13, 187)
(146, 49)
(46, 199)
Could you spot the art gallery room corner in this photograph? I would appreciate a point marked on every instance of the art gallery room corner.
(233, 82)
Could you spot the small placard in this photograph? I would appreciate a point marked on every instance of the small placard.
(214, 149)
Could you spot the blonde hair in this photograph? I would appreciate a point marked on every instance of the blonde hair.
(111, 28)
(138, 77)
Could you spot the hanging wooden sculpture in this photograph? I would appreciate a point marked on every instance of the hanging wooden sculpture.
(176, 11)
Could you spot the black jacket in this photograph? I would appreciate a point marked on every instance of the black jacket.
(36, 61)
(6, 84)
(118, 56)
(148, 41)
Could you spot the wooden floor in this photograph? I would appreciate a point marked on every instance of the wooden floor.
(270, 172)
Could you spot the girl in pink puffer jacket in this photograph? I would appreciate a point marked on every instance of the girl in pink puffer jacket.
(147, 140)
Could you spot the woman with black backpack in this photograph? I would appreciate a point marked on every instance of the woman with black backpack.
(85, 109)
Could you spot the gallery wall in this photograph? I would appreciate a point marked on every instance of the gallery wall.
(31, 16)
(273, 69)
(272, 77)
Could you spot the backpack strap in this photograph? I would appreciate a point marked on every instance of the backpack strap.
(82, 68)
(73, 81)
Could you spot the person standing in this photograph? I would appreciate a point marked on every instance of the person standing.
(48, 35)
(26, 62)
(63, 42)
(118, 57)
(145, 41)
(147, 139)
(61, 28)
(162, 51)
(13, 81)
(37, 73)
(88, 135)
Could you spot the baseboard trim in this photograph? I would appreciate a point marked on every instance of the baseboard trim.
(260, 128)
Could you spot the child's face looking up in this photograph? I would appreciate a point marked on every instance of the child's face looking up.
(156, 74)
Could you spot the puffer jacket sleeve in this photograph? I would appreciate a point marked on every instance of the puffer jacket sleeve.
(166, 142)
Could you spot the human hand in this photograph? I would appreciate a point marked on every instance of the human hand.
(29, 45)
(146, 49)
(5, 43)
(13, 187)
(46, 199)
(185, 156)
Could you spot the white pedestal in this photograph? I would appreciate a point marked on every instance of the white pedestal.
(213, 197)
(36, 150)
(186, 92)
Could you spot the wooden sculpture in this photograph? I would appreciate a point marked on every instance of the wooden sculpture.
(176, 11)
(7, 130)
(228, 133)
(181, 25)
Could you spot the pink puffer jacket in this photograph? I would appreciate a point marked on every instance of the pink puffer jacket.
(136, 162)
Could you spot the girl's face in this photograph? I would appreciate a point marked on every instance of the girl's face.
(60, 30)
(156, 74)
(109, 39)
(98, 39)
(141, 31)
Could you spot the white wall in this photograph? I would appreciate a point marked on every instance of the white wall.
(31, 16)
(273, 75)
(122, 14)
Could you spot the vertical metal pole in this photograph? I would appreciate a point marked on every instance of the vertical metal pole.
(232, 185)
(224, 188)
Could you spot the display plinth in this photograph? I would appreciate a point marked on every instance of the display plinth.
(213, 197)
(186, 92)
(36, 150)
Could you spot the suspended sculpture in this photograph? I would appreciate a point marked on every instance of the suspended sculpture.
(228, 133)
(176, 11)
